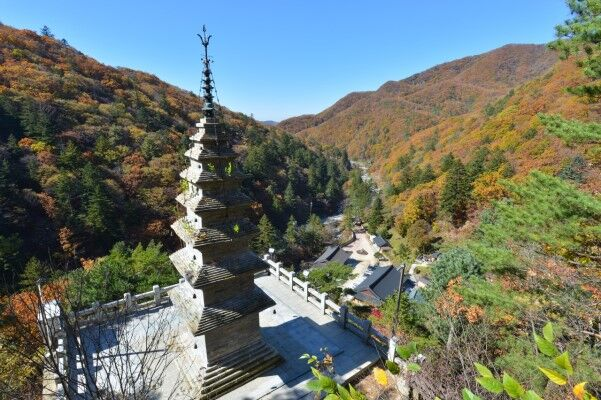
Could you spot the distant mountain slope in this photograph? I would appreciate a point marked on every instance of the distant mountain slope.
(91, 154)
(367, 123)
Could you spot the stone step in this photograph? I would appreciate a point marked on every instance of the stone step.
(250, 363)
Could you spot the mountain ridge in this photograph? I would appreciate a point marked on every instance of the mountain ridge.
(422, 99)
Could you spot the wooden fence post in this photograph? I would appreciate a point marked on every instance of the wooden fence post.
(306, 290)
(292, 273)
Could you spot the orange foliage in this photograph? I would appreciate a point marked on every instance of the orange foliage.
(48, 204)
(65, 237)
(451, 304)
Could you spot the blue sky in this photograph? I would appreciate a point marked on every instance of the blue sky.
(282, 58)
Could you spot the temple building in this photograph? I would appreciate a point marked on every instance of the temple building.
(218, 298)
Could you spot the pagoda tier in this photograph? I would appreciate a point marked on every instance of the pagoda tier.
(217, 299)
(207, 204)
(200, 153)
(198, 275)
(203, 319)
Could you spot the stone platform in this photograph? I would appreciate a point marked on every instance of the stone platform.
(292, 327)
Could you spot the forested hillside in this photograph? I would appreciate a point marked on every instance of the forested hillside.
(91, 155)
(367, 123)
(500, 179)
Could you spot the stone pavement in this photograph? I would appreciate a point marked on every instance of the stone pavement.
(298, 327)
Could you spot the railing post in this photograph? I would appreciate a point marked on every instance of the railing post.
(366, 325)
(277, 271)
(292, 280)
(343, 316)
(324, 296)
(97, 311)
(157, 294)
(128, 301)
(306, 290)
(392, 343)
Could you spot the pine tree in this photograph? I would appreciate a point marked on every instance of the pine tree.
(267, 237)
(580, 35)
(289, 196)
(476, 166)
(376, 218)
(4, 179)
(36, 122)
(455, 193)
(98, 212)
(332, 190)
(428, 174)
(70, 158)
(34, 270)
(45, 31)
(291, 231)
(446, 162)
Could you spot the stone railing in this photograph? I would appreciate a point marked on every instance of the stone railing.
(101, 312)
(347, 320)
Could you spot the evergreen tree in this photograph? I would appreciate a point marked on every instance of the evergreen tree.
(572, 131)
(90, 179)
(313, 180)
(70, 158)
(291, 231)
(446, 162)
(428, 174)
(34, 270)
(267, 237)
(574, 170)
(406, 317)
(332, 190)
(45, 31)
(376, 217)
(36, 122)
(97, 213)
(476, 166)
(455, 193)
(289, 196)
(580, 35)
(65, 191)
(4, 179)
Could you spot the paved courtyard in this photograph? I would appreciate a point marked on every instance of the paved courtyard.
(296, 328)
(293, 327)
(361, 261)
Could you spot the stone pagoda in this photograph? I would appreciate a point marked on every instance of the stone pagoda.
(217, 299)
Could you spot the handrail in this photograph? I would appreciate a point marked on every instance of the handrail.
(358, 326)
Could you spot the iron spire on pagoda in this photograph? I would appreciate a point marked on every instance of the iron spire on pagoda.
(208, 108)
(217, 297)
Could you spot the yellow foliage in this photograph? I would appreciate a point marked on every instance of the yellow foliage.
(579, 390)
(380, 376)
(487, 187)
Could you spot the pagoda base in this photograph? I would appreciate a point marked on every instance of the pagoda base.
(229, 372)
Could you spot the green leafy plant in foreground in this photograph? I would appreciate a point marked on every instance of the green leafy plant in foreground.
(561, 374)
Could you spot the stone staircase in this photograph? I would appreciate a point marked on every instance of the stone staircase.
(232, 371)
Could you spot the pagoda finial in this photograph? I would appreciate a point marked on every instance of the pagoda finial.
(208, 109)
